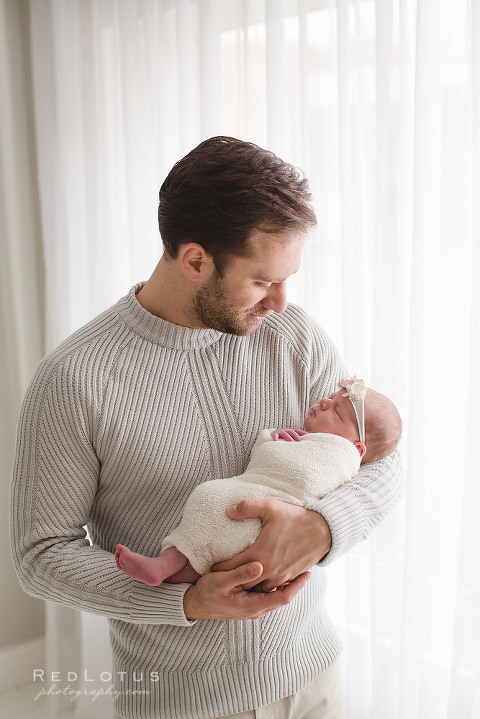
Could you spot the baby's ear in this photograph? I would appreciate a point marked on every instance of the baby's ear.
(361, 448)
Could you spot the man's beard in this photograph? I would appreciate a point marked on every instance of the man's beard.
(211, 305)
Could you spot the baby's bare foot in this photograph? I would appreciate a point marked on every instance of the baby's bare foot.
(149, 570)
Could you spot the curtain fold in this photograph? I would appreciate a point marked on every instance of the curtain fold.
(21, 292)
(464, 693)
(379, 102)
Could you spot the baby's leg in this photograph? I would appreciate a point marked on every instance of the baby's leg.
(186, 575)
(149, 570)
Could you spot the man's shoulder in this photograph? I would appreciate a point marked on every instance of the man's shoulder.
(296, 327)
(87, 350)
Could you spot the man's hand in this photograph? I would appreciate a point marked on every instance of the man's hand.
(291, 541)
(221, 595)
(289, 435)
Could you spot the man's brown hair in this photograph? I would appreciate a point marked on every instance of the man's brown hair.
(224, 190)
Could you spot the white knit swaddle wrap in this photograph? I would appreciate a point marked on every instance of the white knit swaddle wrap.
(294, 472)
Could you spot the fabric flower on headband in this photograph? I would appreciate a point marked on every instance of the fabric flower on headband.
(356, 388)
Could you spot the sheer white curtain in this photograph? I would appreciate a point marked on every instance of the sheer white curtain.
(379, 103)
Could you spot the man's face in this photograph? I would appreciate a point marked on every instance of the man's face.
(252, 287)
(333, 415)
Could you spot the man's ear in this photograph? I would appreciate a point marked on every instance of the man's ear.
(361, 448)
(197, 264)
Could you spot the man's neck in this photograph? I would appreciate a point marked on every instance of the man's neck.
(165, 294)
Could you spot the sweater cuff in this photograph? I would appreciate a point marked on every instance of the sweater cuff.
(159, 605)
(345, 522)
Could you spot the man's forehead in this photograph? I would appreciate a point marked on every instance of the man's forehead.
(270, 266)
(267, 233)
(278, 242)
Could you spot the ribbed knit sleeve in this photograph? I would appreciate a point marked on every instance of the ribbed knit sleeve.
(357, 507)
(56, 478)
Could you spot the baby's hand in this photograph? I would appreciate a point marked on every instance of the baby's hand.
(289, 435)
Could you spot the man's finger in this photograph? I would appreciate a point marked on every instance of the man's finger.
(237, 561)
(246, 573)
(282, 595)
(290, 589)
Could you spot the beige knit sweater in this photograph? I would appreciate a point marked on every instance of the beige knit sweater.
(119, 425)
(295, 472)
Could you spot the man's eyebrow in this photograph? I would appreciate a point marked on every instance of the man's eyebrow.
(275, 280)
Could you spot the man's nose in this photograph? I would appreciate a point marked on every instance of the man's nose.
(276, 298)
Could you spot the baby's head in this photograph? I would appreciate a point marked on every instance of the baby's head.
(354, 408)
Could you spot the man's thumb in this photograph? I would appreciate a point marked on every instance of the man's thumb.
(247, 572)
(239, 510)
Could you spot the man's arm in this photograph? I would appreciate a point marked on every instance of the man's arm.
(55, 481)
(357, 507)
(54, 484)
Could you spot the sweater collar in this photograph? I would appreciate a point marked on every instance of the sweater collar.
(160, 331)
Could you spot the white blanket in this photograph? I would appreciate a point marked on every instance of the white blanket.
(293, 472)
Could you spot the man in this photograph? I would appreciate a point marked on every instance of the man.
(169, 388)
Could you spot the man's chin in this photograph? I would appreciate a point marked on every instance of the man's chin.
(243, 329)
(253, 322)
(232, 324)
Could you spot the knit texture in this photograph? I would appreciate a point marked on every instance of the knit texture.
(293, 472)
(120, 423)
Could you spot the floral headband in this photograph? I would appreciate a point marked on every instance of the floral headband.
(356, 391)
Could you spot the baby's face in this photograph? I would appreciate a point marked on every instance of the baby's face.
(334, 415)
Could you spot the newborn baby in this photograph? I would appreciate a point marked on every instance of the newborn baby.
(353, 425)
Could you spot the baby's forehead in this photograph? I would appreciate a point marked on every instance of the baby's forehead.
(341, 398)
(338, 393)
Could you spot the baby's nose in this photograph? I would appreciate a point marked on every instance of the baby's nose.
(324, 403)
